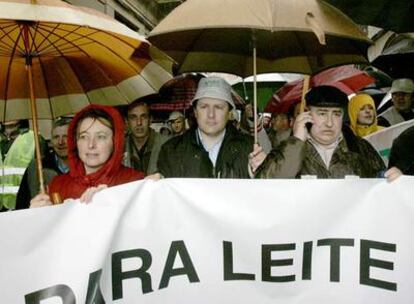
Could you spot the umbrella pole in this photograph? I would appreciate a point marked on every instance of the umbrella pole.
(305, 88)
(33, 108)
(255, 93)
(35, 129)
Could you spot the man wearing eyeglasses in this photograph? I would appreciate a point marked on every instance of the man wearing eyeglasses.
(402, 96)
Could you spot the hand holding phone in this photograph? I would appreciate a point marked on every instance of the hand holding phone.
(302, 125)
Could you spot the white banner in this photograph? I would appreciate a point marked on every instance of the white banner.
(382, 140)
(216, 241)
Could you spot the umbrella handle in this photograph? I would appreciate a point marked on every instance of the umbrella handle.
(33, 107)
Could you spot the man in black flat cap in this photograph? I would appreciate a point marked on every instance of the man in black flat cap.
(320, 145)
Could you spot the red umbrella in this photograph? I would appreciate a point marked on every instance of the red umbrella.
(177, 94)
(346, 78)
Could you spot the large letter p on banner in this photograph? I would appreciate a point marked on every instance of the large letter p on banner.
(62, 291)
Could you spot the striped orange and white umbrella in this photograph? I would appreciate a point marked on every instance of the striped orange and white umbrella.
(56, 58)
(78, 56)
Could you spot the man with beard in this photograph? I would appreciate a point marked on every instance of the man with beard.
(142, 144)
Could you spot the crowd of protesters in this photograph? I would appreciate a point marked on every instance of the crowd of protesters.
(99, 148)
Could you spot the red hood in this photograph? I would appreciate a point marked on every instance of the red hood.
(103, 175)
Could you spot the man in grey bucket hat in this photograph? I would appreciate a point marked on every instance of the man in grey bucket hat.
(214, 148)
(214, 87)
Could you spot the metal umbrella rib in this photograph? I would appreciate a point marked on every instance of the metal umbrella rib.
(13, 52)
(78, 47)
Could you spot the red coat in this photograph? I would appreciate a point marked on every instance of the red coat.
(74, 183)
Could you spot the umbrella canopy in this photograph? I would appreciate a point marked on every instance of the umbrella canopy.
(397, 57)
(77, 56)
(62, 57)
(177, 94)
(219, 35)
(396, 15)
(346, 78)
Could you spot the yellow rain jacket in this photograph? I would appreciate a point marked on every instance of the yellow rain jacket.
(12, 168)
(354, 106)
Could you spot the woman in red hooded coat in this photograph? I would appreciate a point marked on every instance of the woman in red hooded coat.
(95, 151)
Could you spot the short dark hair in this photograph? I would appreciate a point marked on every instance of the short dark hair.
(61, 121)
(137, 103)
(145, 101)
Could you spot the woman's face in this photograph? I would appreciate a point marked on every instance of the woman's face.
(366, 115)
(94, 143)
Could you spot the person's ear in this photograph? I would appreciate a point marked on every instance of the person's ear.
(229, 115)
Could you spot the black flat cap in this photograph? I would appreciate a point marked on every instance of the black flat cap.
(326, 96)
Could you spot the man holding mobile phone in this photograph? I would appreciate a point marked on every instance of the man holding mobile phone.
(320, 145)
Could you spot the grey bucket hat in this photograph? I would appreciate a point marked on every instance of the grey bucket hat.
(404, 85)
(214, 87)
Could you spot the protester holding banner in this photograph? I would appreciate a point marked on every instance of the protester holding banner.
(320, 146)
(402, 103)
(95, 150)
(54, 163)
(362, 115)
(213, 149)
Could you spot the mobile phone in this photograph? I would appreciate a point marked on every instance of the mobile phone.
(308, 126)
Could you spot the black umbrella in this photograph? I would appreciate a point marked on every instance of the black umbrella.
(397, 57)
(395, 15)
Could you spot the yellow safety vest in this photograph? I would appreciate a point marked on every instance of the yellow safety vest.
(13, 166)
